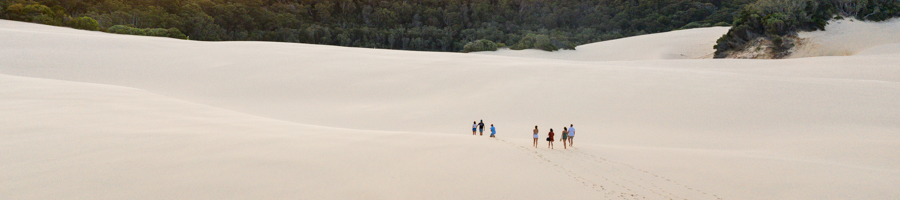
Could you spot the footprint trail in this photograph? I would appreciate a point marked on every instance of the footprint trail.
(611, 179)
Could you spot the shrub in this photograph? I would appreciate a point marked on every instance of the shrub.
(775, 24)
(543, 42)
(36, 13)
(480, 45)
(175, 33)
(123, 29)
(27, 12)
(159, 32)
(526, 42)
(722, 24)
(694, 25)
(85, 23)
(778, 42)
(46, 19)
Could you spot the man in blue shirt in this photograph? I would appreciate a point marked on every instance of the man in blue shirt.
(493, 131)
(571, 133)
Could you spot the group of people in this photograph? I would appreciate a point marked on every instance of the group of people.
(480, 127)
(568, 134)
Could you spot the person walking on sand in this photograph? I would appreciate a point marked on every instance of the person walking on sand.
(481, 127)
(550, 139)
(474, 126)
(535, 136)
(564, 136)
(493, 131)
(571, 134)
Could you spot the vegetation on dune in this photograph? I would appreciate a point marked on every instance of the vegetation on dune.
(160, 32)
(481, 45)
(776, 22)
(85, 23)
(426, 25)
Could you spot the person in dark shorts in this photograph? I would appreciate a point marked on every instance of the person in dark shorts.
(564, 136)
(550, 139)
(481, 127)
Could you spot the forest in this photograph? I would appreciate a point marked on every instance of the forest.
(422, 25)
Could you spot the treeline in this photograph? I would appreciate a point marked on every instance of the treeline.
(426, 25)
(777, 21)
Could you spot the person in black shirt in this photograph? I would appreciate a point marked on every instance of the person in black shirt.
(481, 127)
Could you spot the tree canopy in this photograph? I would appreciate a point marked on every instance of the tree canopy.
(426, 25)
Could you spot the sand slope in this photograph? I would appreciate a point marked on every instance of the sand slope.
(73, 140)
(847, 37)
(97, 116)
(681, 44)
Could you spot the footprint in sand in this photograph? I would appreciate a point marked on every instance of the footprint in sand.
(588, 162)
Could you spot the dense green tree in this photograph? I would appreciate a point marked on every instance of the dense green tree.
(427, 25)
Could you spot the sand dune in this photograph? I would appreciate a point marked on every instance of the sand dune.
(88, 115)
(681, 44)
(847, 37)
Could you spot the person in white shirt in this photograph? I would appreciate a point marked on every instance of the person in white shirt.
(535, 136)
(571, 134)
(474, 126)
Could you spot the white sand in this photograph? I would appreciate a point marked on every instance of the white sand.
(847, 37)
(88, 115)
(682, 44)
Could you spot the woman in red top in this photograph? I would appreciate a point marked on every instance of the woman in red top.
(550, 139)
